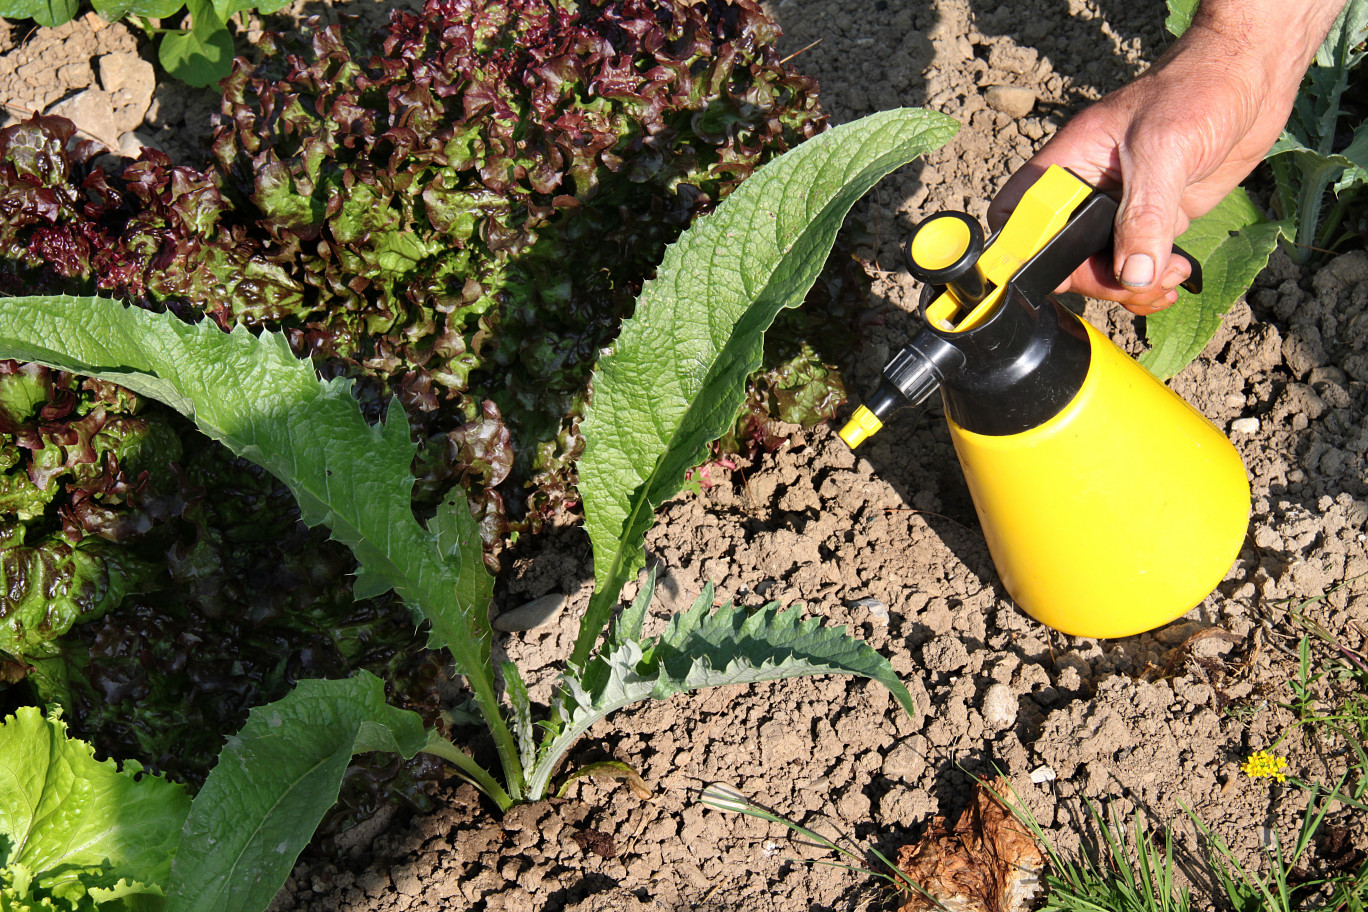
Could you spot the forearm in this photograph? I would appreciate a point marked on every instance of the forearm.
(1282, 34)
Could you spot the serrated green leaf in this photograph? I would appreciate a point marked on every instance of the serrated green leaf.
(255, 397)
(1345, 40)
(1232, 242)
(521, 703)
(705, 648)
(677, 373)
(76, 824)
(273, 783)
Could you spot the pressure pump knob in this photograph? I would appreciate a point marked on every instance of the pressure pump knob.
(944, 251)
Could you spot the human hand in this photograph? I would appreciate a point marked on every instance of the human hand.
(1179, 138)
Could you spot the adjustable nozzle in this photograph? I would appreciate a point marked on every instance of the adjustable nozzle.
(861, 426)
(914, 374)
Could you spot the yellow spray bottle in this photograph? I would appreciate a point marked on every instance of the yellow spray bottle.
(1110, 505)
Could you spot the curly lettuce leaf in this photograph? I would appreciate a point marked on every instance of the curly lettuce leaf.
(80, 832)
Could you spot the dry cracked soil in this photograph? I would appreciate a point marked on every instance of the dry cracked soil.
(887, 543)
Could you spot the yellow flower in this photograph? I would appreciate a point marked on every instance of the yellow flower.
(1262, 763)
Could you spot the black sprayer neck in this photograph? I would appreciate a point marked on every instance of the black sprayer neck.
(1021, 367)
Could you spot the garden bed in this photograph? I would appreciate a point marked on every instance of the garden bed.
(887, 542)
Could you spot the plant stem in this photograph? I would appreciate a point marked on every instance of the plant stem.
(1314, 182)
(482, 685)
(441, 747)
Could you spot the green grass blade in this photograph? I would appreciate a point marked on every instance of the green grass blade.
(677, 373)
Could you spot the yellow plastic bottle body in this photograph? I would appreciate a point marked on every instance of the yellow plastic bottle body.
(1117, 515)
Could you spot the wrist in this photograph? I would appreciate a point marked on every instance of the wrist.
(1282, 35)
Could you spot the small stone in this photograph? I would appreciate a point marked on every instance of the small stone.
(1244, 426)
(903, 763)
(877, 609)
(1043, 774)
(533, 614)
(1014, 101)
(999, 707)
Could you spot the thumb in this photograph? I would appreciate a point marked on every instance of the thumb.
(1146, 223)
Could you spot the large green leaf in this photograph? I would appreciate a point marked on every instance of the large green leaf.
(254, 396)
(273, 783)
(264, 404)
(78, 826)
(46, 13)
(1232, 242)
(677, 373)
(705, 648)
(201, 55)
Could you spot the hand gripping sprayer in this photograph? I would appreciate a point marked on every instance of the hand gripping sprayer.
(1110, 505)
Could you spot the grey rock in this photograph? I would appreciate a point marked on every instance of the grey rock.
(531, 615)
(1244, 426)
(1014, 101)
(999, 707)
(93, 114)
(877, 609)
(129, 81)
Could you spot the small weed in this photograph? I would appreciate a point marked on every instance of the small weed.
(1286, 887)
(1131, 871)
(722, 797)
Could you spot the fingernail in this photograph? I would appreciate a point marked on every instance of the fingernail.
(1138, 271)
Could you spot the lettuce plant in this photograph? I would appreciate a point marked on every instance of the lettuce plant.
(77, 833)
(671, 385)
(458, 213)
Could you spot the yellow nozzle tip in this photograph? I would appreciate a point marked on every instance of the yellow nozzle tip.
(939, 243)
(861, 426)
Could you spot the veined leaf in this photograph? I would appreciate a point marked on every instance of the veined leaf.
(705, 648)
(273, 783)
(677, 373)
(76, 825)
(264, 404)
(47, 13)
(1232, 242)
(254, 396)
(1350, 31)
